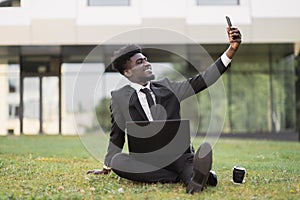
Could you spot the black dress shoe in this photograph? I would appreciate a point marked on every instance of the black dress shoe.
(202, 166)
(212, 179)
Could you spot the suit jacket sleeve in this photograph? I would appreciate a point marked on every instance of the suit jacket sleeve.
(200, 82)
(117, 134)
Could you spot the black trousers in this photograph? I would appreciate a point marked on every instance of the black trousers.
(126, 166)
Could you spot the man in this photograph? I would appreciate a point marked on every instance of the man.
(135, 102)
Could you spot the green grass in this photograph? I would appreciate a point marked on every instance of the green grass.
(54, 167)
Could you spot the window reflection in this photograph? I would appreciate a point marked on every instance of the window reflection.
(108, 2)
(9, 3)
(217, 2)
(31, 105)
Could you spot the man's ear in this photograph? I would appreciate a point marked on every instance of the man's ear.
(127, 73)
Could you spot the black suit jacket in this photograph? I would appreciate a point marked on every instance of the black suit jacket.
(125, 105)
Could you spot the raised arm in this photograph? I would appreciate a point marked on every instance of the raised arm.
(212, 73)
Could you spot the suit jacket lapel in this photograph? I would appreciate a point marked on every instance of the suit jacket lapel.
(157, 94)
(158, 99)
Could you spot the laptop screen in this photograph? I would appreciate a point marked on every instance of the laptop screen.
(161, 137)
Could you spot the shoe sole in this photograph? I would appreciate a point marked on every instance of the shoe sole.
(202, 166)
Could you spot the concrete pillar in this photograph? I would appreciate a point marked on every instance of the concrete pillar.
(297, 87)
(3, 99)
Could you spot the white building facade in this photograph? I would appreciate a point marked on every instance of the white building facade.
(44, 42)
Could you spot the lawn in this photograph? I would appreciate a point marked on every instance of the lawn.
(54, 167)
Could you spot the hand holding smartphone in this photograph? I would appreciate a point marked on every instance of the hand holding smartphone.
(229, 23)
(233, 34)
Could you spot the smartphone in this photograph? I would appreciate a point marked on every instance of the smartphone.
(228, 22)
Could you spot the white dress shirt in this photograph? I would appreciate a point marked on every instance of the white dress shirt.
(142, 98)
(225, 60)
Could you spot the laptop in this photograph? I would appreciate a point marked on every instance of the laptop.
(158, 138)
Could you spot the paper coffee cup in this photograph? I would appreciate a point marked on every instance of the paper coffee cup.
(238, 174)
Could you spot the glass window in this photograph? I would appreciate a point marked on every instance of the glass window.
(13, 78)
(217, 2)
(9, 3)
(13, 111)
(270, 106)
(12, 86)
(31, 114)
(78, 81)
(108, 2)
(50, 104)
(260, 90)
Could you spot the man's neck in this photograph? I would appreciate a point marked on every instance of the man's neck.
(142, 83)
(145, 84)
(138, 86)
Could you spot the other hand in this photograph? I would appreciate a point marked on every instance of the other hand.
(99, 172)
